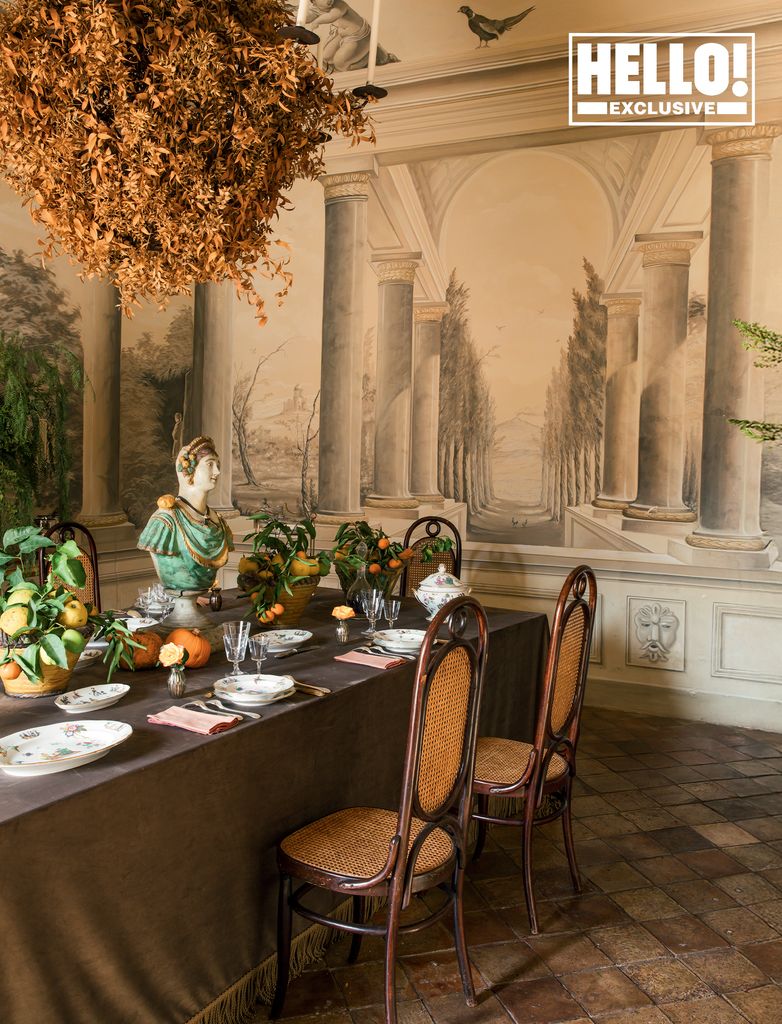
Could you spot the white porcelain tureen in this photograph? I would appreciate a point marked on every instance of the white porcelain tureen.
(438, 589)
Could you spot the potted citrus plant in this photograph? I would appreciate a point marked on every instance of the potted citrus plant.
(281, 575)
(358, 544)
(44, 628)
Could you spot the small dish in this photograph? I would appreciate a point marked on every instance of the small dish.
(56, 748)
(405, 640)
(283, 639)
(251, 690)
(137, 625)
(91, 698)
(87, 656)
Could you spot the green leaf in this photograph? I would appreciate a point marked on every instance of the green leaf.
(34, 543)
(69, 570)
(18, 534)
(16, 578)
(69, 548)
(29, 660)
(53, 646)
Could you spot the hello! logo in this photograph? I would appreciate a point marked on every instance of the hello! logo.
(662, 79)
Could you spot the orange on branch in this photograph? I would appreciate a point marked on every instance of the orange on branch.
(10, 671)
(375, 568)
(278, 609)
(394, 563)
(383, 543)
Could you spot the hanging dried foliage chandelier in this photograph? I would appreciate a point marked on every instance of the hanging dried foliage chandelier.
(156, 140)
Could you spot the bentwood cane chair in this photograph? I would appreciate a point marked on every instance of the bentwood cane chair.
(61, 532)
(365, 852)
(415, 568)
(541, 774)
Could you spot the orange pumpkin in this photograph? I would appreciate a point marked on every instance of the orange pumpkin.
(198, 649)
(146, 655)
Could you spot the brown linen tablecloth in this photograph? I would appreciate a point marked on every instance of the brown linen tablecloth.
(139, 888)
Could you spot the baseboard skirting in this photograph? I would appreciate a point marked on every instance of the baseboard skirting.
(696, 705)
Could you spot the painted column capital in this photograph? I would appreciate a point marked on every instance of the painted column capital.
(744, 140)
(398, 268)
(664, 249)
(622, 304)
(430, 312)
(349, 185)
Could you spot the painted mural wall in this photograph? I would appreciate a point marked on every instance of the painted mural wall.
(525, 237)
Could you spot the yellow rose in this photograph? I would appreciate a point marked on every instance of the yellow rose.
(171, 654)
(343, 611)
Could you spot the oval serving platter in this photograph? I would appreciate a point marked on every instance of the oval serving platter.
(56, 748)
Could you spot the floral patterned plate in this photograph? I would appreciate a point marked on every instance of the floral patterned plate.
(254, 690)
(91, 698)
(405, 640)
(283, 639)
(56, 748)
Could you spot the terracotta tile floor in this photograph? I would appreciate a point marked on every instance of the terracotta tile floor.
(679, 839)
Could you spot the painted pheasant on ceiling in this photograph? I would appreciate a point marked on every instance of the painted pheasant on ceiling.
(491, 28)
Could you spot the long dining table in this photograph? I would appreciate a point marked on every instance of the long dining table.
(141, 888)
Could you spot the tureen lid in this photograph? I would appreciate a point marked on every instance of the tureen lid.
(441, 580)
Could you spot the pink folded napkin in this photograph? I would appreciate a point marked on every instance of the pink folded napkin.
(373, 660)
(194, 721)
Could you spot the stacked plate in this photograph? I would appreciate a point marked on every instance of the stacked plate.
(399, 641)
(252, 691)
(56, 748)
(91, 698)
(281, 640)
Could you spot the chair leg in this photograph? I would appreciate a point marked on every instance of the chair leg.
(526, 860)
(483, 808)
(284, 916)
(570, 846)
(358, 918)
(460, 939)
(392, 934)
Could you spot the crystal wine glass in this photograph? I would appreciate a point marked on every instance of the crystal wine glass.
(373, 608)
(235, 635)
(392, 608)
(258, 646)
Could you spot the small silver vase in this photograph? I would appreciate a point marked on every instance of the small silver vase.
(343, 632)
(176, 681)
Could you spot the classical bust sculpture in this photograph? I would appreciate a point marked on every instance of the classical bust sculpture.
(189, 541)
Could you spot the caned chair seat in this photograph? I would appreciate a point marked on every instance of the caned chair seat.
(502, 762)
(355, 842)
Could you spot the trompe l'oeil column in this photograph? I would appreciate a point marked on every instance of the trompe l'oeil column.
(427, 318)
(620, 438)
(393, 421)
(729, 511)
(339, 461)
(666, 273)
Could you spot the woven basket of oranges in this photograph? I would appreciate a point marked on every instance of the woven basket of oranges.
(281, 573)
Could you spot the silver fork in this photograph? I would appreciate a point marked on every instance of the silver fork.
(384, 654)
(232, 711)
(213, 711)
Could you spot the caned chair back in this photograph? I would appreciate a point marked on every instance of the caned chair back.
(443, 727)
(564, 682)
(415, 568)
(61, 532)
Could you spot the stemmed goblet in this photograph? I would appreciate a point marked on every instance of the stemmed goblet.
(258, 646)
(235, 635)
(372, 601)
(392, 608)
